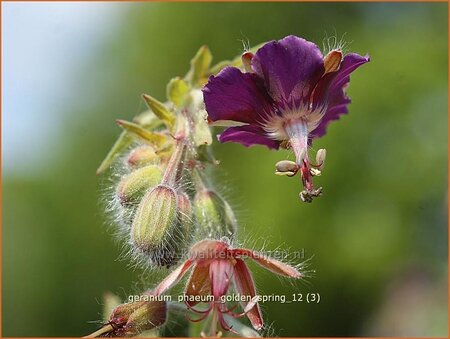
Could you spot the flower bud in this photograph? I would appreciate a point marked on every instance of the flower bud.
(213, 214)
(286, 167)
(142, 156)
(133, 186)
(161, 225)
(131, 319)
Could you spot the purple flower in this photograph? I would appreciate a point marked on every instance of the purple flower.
(287, 97)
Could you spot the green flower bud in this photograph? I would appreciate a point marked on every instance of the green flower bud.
(213, 214)
(133, 186)
(161, 225)
(142, 156)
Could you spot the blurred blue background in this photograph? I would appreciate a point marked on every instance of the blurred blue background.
(378, 235)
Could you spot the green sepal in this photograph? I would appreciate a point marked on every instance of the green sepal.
(147, 120)
(153, 138)
(199, 67)
(157, 107)
(177, 90)
(121, 144)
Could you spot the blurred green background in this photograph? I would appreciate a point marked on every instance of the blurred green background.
(378, 234)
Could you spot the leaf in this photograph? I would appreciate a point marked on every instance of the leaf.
(160, 110)
(153, 138)
(121, 144)
(199, 66)
(177, 89)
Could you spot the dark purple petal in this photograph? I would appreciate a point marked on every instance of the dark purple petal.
(248, 135)
(331, 91)
(233, 95)
(351, 62)
(290, 68)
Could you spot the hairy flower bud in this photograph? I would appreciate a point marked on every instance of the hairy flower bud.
(156, 215)
(161, 225)
(133, 186)
(213, 214)
(142, 156)
(131, 319)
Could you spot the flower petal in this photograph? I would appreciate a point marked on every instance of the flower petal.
(220, 273)
(350, 63)
(198, 283)
(233, 95)
(173, 277)
(290, 68)
(245, 286)
(269, 263)
(331, 91)
(248, 135)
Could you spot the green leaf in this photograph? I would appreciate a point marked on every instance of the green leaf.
(153, 138)
(177, 89)
(121, 144)
(200, 66)
(160, 110)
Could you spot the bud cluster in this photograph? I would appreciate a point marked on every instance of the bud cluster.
(162, 201)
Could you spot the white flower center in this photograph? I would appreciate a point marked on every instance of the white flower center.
(276, 126)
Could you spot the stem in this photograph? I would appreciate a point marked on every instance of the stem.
(105, 329)
(176, 163)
